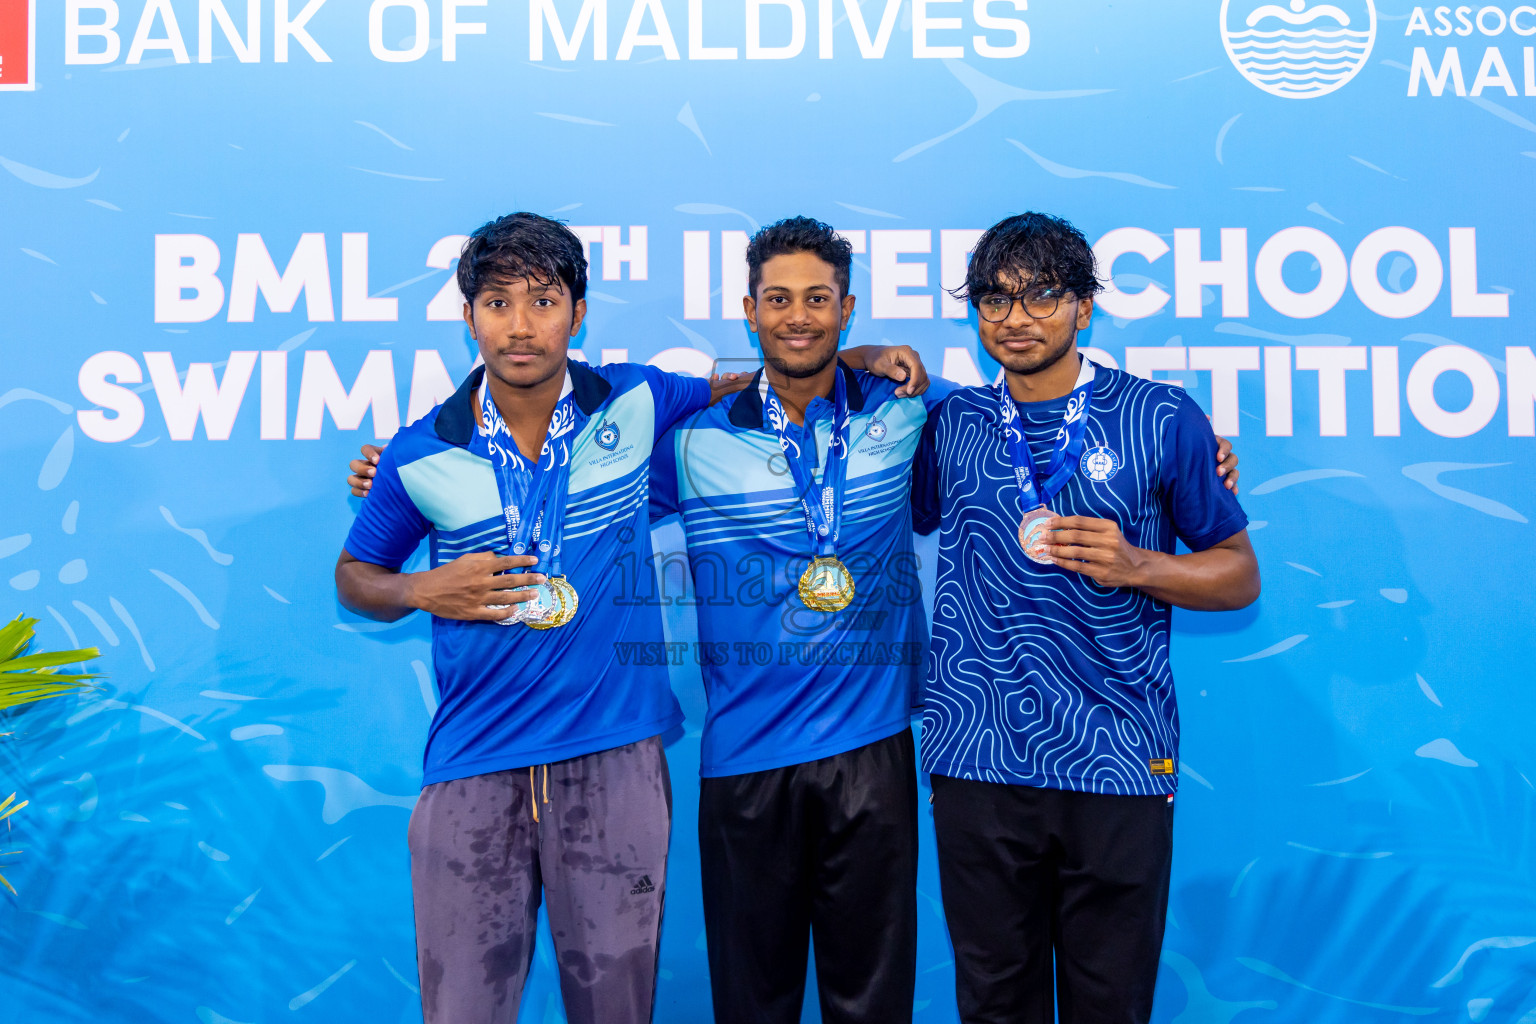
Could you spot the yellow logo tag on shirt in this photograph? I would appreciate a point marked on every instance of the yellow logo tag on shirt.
(1161, 765)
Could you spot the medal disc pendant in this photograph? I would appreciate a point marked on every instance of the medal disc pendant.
(540, 610)
(1033, 536)
(568, 599)
(826, 585)
(519, 614)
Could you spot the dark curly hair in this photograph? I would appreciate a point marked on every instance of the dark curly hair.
(523, 246)
(1034, 247)
(799, 234)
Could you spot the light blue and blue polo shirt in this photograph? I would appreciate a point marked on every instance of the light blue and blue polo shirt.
(1038, 676)
(511, 696)
(787, 684)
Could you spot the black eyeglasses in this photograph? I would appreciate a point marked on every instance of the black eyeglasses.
(1040, 303)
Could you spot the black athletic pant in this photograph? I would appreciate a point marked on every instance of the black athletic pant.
(1032, 875)
(826, 848)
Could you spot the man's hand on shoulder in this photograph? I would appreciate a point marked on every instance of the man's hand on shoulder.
(894, 362)
(1226, 463)
(901, 362)
(722, 384)
(364, 470)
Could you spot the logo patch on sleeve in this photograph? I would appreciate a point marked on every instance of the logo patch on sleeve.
(1161, 765)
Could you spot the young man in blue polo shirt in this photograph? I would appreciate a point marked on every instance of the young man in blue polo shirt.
(794, 497)
(544, 771)
(1050, 728)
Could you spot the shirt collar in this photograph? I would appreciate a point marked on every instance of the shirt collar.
(747, 410)
(456, 419)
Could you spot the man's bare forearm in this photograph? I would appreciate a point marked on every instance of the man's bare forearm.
(372, 590)
(858, 357)
(1221, 578)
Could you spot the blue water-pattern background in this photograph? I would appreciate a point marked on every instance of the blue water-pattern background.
(219, 835)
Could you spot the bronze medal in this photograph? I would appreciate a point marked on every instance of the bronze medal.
(1033, 536)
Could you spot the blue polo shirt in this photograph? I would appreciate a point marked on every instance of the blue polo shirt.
(786, 684)
(1038, 675)
(513, 696)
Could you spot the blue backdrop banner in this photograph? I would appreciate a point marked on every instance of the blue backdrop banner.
(226, 261)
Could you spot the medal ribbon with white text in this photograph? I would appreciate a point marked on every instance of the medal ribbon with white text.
(1037, 490)
(533, 494)
(823, 517)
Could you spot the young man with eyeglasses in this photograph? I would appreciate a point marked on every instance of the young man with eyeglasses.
(1050, 729)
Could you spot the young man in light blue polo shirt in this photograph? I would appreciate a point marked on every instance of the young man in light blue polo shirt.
(794, 498)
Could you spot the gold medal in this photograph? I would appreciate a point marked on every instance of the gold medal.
(546, 607)
(1033, 536)
(826, 585)
(564, 600)
(569, 600)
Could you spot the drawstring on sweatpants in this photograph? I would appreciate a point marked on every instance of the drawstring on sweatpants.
(533, 799)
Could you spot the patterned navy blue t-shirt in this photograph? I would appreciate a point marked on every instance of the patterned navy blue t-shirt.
(1037, 675)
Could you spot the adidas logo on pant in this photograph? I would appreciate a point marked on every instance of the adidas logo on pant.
(643, 886)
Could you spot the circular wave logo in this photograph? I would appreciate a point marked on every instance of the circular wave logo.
(1298, 51)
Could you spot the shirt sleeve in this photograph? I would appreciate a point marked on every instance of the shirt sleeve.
(389, 526)
(676, 395)
(664, 477)
(938, 390)
(1203, 511)
(925, 477)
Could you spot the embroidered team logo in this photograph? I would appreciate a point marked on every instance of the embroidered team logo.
(1100, 464)
(876, 430)
(608, 436)
(1298, 50)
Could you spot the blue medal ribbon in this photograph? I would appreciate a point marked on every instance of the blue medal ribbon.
(823, 505)
(533, 495)
(1038, 490)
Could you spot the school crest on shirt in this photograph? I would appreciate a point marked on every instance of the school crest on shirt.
(876, 430)
(608, 436)
(1100, 464)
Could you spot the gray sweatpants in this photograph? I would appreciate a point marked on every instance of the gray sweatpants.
(598, 853)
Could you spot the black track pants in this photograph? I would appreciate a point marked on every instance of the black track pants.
(1036, 879)
(825, 849)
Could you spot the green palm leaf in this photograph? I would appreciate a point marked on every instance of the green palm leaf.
(26, 678)
(6, 810)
